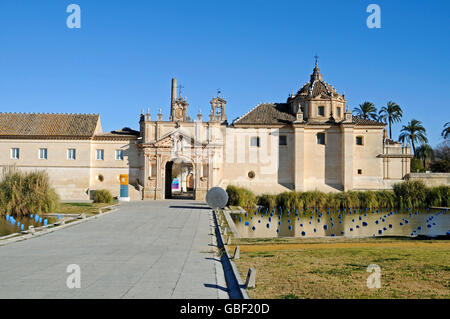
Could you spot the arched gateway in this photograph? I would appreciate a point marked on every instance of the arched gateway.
(178, 179)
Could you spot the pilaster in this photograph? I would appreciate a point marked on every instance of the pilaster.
(299, 158)
(347, 157)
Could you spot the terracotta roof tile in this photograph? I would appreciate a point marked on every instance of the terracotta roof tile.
(46, 124)
(125, 133)
(267, 113)
(361, 121)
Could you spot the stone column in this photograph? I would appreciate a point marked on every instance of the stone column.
(347, 156)
(159, 179)
(299, 158)
(146, 170)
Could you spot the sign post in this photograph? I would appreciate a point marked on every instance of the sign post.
(124, 197)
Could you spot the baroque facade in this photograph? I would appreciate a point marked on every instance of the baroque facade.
(311, 141)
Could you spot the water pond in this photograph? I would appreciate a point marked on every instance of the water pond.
(8, 227)
(308, 223)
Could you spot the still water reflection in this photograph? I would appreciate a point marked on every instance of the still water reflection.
(308, 223)
(7, 227)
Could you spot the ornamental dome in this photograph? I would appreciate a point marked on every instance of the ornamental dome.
(316, 87)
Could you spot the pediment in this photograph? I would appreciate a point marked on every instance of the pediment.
(169, 140)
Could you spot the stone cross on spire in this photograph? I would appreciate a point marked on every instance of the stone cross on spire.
(317, 58)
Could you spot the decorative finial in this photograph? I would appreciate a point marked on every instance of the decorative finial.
(180, 87)
(317, 59)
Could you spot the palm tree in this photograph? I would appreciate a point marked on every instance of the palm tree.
(366, 110)
(446, 132)
(425, 152)
(412, 133)
(393, 113)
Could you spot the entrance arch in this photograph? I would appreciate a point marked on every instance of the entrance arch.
(179, 179)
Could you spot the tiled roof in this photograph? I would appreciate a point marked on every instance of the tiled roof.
(267, 113)
(125, 133)
(362, 121)
(316, 87)
(46, 124)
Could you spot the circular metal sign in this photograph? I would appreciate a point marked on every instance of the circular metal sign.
(216, 198)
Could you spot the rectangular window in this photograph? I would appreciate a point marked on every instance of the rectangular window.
(359, 140)
(321, 138)
(359, 171)
(254, 141)
(338, 112)
(282, 140)
(119, 155)
(205, 170)
(321, 111)
(100, 155)
(43, 153)
(71, 154)
(15, 153)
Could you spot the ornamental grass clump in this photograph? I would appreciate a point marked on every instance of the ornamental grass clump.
(25, 193)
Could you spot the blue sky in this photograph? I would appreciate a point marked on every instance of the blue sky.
(126, 52)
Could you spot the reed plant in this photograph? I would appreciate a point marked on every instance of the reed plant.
(408, 194)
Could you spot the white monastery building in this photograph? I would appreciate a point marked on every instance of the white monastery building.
(309, 142)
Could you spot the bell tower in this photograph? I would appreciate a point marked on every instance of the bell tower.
(218, 109)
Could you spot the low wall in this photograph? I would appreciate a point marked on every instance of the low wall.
(430, 179)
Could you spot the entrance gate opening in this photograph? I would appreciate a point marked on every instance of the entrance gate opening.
(179, 180)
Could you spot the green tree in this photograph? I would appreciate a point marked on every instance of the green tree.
(425, 152)
(413, 133)
(366, 110)
(446, 132)
(393, 113)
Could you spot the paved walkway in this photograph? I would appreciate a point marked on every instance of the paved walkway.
(158, 249)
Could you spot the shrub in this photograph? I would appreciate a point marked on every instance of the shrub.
(287, 200)
(233, 196)
(442, 166)
(239, 196)
(367, 199)
(22, 194)
(438, 196)
(103, 196)
(417, 165)
(410, 194)
(385, 199)
(267, 200)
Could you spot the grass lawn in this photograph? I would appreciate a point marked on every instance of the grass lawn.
(324, 268)
(78, 208)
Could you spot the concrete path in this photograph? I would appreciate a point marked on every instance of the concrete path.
(158, 249)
